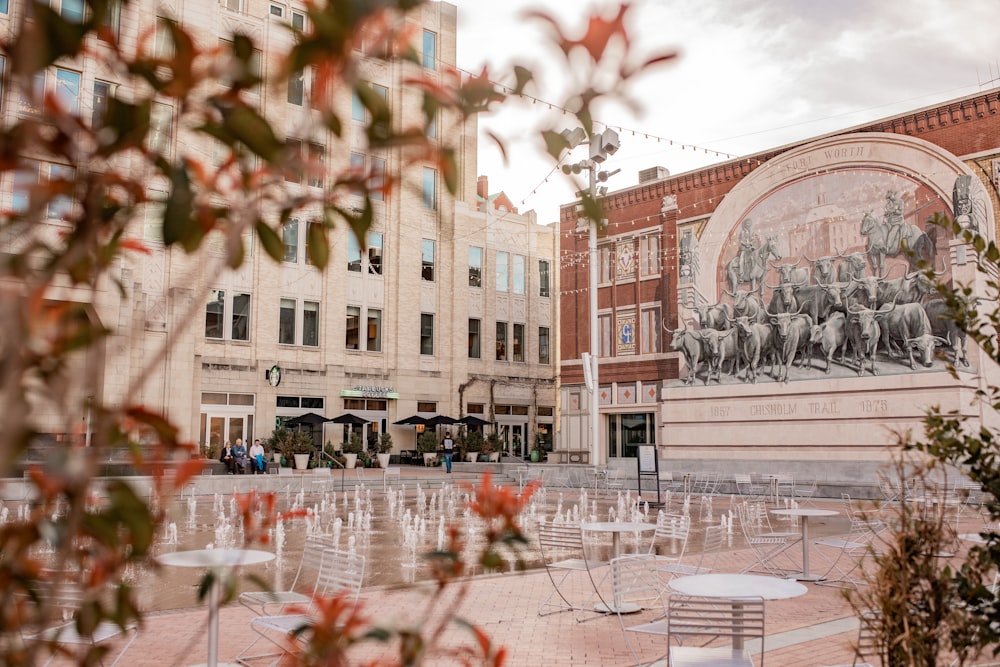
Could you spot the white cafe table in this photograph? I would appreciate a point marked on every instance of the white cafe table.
(219, 561)
(736, 587)
(804, 513)
(616, 528)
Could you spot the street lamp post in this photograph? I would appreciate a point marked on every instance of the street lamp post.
(601, 146)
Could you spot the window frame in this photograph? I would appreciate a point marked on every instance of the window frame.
(501, 341)
(376, 253)
(428, 57)
(427, 265)
(475, 266)
(283, 322)
(216, 296)
(240, 317)
(517, 343)
(290, 240)
(373, 318)
(353, 315)
(475, 330)
(428, 189)
(543, 278)
(519, 268)
(427, 334)
(502, 274)
(544, 346)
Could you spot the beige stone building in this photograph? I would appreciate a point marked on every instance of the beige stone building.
(447, 308)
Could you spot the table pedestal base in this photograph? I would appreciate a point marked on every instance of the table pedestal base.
(623, 608)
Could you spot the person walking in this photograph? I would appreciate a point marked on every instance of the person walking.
(449, 448)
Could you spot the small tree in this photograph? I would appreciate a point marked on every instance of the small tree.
(427, 442)
(353, 444)
(474, 441)
(384, 443)
(289, 442)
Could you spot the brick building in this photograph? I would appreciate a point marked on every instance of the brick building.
(673, 246)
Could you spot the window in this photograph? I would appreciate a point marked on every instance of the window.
(241, 317)
(112, 18)
(474, 338)
(649, 255)
(3, 6)
(277, 10)
(25, 178)
(606, 263)
(429, 55)
(310, 323)
(378, 179)
(290, 237)
(501, 341)
(432, 126)
(309, 226)
(60, 205)
(68, 89)
(358, 111)
(475, 267)
(298, 20)
(352, 341)
(161, 118)
(215, 312)
(286, 322)
(163, 40)
(71, 10)
(296, 87)
(430, 188)
(232, 5)
(519, 269)
(375, 253)
(543, 345)
(353, 253)
(311, 156)
(649, 331)
(604, 324)
(102, 91)
(518, 343)
(543, 277)
(253, 67)
(374, 330)
(426, 334)
(427, 260)
(502, 270)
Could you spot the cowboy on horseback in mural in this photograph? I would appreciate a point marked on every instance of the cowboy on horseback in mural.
(749, 243)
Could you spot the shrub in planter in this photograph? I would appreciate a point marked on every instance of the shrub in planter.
(427, 443)
(289, 443)
(353, 444)
(384, 445)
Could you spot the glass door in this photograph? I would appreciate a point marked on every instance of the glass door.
(217, 429)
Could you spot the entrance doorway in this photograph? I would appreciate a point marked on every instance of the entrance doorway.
(627, 431)
(514, 439)
(218, 428)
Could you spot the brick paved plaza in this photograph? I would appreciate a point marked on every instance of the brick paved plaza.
(816, 629)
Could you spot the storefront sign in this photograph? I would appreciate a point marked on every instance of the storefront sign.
(365, 391)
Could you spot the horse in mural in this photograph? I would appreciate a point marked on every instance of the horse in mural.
(890, 240)
(754, 274)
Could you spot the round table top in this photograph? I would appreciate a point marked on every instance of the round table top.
(804, 511)
(215, 557)
(972, 537)
(738, 586)
(618, 526)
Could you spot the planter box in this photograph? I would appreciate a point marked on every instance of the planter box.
(301, 461)
(430, 458)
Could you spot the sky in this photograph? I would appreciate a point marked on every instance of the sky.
(749, 76)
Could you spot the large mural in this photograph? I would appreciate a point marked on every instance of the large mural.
(817, 277)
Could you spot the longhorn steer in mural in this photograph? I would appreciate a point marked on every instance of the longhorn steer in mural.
(944, 326)
(718, 346)
(790, 334)
(818, 301)
(716, 316)
(689, 345)
(755, 346)
(792, 273)
(909, 325)
(757, 266)
(911, 288)
(831, 335)
(864, 334)
(853, 266)
(748, 304)
(823, 268)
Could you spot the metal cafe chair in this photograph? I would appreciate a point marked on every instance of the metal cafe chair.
(850, 549)
(765, 544)
(66, 631)
(707, 619)
(637, 588)
(711, 547)
(303, 585)
(340, 571)
(564, 555)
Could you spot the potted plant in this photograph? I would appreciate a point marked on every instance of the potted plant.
(352, 449)
(293, 445)
(473, 445)
(384, 450)
(492, 445)
(538, 448)
(427, 445)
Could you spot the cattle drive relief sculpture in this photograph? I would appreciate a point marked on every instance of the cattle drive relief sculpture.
(821, 279)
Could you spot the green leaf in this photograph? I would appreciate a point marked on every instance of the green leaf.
(249, 127)
(178, 223)
(318, 245)
(272, 243)
(125, 126)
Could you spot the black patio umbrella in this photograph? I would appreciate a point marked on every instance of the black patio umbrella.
(308, 419)
(415, 420)
(348, 418)
(441, 420)
(472, 420)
